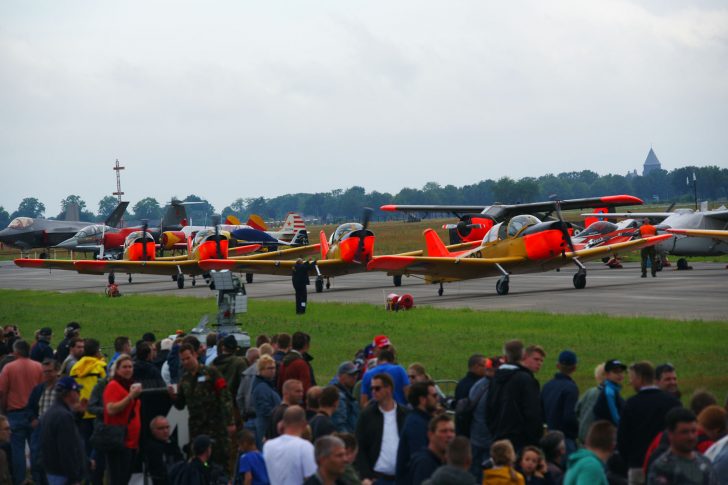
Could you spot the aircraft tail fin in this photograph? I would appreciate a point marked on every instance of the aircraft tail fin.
(301, 238)
(257, 222)
(72, 212)
(232, 220)
(175, 215)
(434, 245)
(588, 221)
(115, 217)
(324, 244)
(293, 223)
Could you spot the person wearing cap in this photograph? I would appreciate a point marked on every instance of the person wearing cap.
(41, 399)
(347, 413)
(198, 471)
(64, 346)
(231, 366)
(480, 436)
(62, 448)
(643, 417)
(558, 399)
(42, 349)
(609, 404)
(17, 380)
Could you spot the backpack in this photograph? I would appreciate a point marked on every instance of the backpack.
(464, 410)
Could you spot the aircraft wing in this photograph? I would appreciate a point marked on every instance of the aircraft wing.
(449, 268)
(623, 247)
(291, 253)
(188, 267)
(505, 211)
(327, 267)
(717, 214)
(710, 233)
(630, 215)
(66, 264)
(243, 250)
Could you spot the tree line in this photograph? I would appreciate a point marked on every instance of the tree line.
(346, 204)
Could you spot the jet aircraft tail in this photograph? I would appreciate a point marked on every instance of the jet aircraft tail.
(115, 217)
(175, 217)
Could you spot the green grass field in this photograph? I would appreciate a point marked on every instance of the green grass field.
(440, 339)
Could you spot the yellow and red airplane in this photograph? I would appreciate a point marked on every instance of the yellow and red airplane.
(523, 244)
(348, 250)
(139, 257)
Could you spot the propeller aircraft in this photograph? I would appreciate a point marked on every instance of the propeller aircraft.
(346, 251)
(523, 244)
(139, 257)
(476, 220)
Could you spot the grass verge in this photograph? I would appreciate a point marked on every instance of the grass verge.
(441, 339)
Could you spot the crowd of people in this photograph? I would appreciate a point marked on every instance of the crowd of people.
(258, 416)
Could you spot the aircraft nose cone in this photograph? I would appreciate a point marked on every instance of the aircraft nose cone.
(68, 244)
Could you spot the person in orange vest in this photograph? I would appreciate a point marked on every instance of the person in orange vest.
(648, 230)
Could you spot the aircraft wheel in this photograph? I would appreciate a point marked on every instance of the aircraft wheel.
(319, 285)
(112, 278)
(440, 290)
(397, 280)
(194, 283)
(43, 255)
(180, 281)
(658, 263)
(129, 278)
(682, 264)
(328, 283)
(605, 260)
(579, 281)
(174, 277)
(248, 277)
(501, 286)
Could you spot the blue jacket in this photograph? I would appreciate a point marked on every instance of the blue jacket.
(346, 415)
(609, 403)
(558, 398)
(412, 438)
(41, 350)
(265, 399)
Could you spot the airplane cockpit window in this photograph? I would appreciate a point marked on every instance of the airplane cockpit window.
(345, 229)
(492, 234)
(599, 227)
(90, 231)
(20, 223)
(519, 223)
(132, 237)
(204, 234)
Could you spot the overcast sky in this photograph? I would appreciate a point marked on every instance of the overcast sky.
(229, 99)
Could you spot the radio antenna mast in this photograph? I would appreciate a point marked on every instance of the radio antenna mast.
(118, 168)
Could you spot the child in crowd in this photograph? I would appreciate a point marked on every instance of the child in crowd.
(503, 457)
(532, 466)
(250, 469)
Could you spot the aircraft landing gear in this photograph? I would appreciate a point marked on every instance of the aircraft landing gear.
(112, 278)
(174, 277)
(248, 278)
(180, 281)
(129, 277)
(501, 286)
(194, 281)
(440, 290)
(682, 264)
(328, 283)
(397, 280)
(319, 284)
(580, 280)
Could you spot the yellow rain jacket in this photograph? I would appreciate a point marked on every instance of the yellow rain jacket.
(87, 373)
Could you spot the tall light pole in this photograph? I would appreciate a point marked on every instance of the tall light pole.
(695, 189)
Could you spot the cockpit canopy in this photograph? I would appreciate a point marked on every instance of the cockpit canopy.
(344, 230)
(136, 236)
(514, 227)
(203, 234)
(21, 223)
(599, 227)
(92, 230)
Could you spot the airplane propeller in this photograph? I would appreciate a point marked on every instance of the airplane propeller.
(564, 229)
(216, 222)
(145, 226)
(365, 218)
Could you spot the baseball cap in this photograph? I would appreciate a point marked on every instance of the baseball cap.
(567, 357)
(67, 383)
(381, 341)
(614, 364)
(347, 368)
(46, 331)
(201, 444)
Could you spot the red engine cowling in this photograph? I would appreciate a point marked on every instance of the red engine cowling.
(474, 228)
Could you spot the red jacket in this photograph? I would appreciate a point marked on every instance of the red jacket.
(294, 366)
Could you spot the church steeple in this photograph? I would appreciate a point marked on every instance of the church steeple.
(651, 163)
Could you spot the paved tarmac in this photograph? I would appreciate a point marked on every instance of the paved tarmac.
(697, 294)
